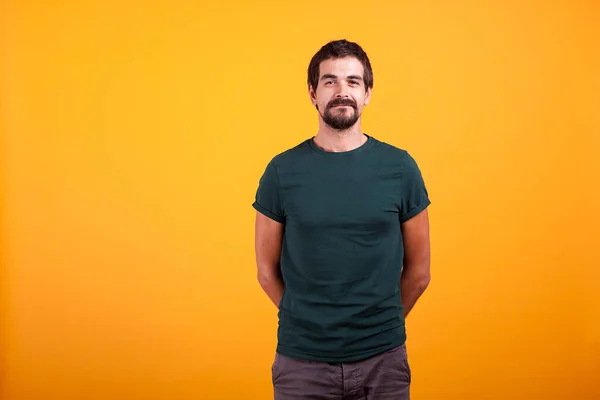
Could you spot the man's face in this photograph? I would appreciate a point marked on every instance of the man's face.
(340, 94)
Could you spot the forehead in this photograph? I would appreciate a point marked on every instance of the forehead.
(341, 67)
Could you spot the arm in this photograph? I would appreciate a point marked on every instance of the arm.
(268, 238)
(416, 269)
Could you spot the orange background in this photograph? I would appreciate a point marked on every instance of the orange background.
(133, 137)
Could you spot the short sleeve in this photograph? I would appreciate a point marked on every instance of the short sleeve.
(268, 199)
(414, 197)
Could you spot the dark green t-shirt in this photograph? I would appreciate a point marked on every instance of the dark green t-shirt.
(342, 248)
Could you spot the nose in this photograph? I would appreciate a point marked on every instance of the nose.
(342, 90)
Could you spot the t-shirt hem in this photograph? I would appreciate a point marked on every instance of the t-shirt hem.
(267, 213)
(331, 358)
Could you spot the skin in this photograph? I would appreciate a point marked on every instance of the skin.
(268, 243)
(416, 272)
(341, 80)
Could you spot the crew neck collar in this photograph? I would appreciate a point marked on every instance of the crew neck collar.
(359, 149)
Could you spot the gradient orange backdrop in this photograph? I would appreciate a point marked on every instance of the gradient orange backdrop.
(133, 137)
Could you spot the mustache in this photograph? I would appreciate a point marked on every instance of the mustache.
(341, 102)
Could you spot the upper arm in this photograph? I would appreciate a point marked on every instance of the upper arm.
(268, 242)
(270, 222)
(414, 217)
(415, 234)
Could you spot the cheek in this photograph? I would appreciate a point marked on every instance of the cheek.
(323, 101)
(363, 100)
(360, 96)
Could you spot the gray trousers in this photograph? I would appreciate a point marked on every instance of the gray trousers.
(385, 376)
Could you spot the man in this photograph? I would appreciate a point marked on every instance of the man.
(342, 245)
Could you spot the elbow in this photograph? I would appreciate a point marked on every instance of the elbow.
(417, 280)
(423, 282)
(265, 279)
(262, 279)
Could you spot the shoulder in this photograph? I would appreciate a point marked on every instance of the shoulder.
(290, 155)
(397, 155)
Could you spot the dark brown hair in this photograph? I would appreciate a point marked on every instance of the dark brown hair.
(339, 49)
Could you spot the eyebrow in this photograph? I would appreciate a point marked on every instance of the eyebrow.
(331, 76)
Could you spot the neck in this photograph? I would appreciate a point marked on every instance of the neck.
(333, 140)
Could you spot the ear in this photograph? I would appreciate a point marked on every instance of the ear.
(312, 95)
(368, 96)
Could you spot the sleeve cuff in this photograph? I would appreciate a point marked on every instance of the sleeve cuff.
(415, 211)
(267, 213)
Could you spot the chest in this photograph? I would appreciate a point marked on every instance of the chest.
(361, 200)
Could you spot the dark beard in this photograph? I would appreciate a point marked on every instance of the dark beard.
(342, 121)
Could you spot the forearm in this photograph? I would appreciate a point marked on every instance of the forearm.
(273, 286)
(412, 286)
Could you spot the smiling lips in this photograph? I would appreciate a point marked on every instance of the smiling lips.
(342, 105)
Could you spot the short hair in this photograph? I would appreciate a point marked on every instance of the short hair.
(339, 49)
